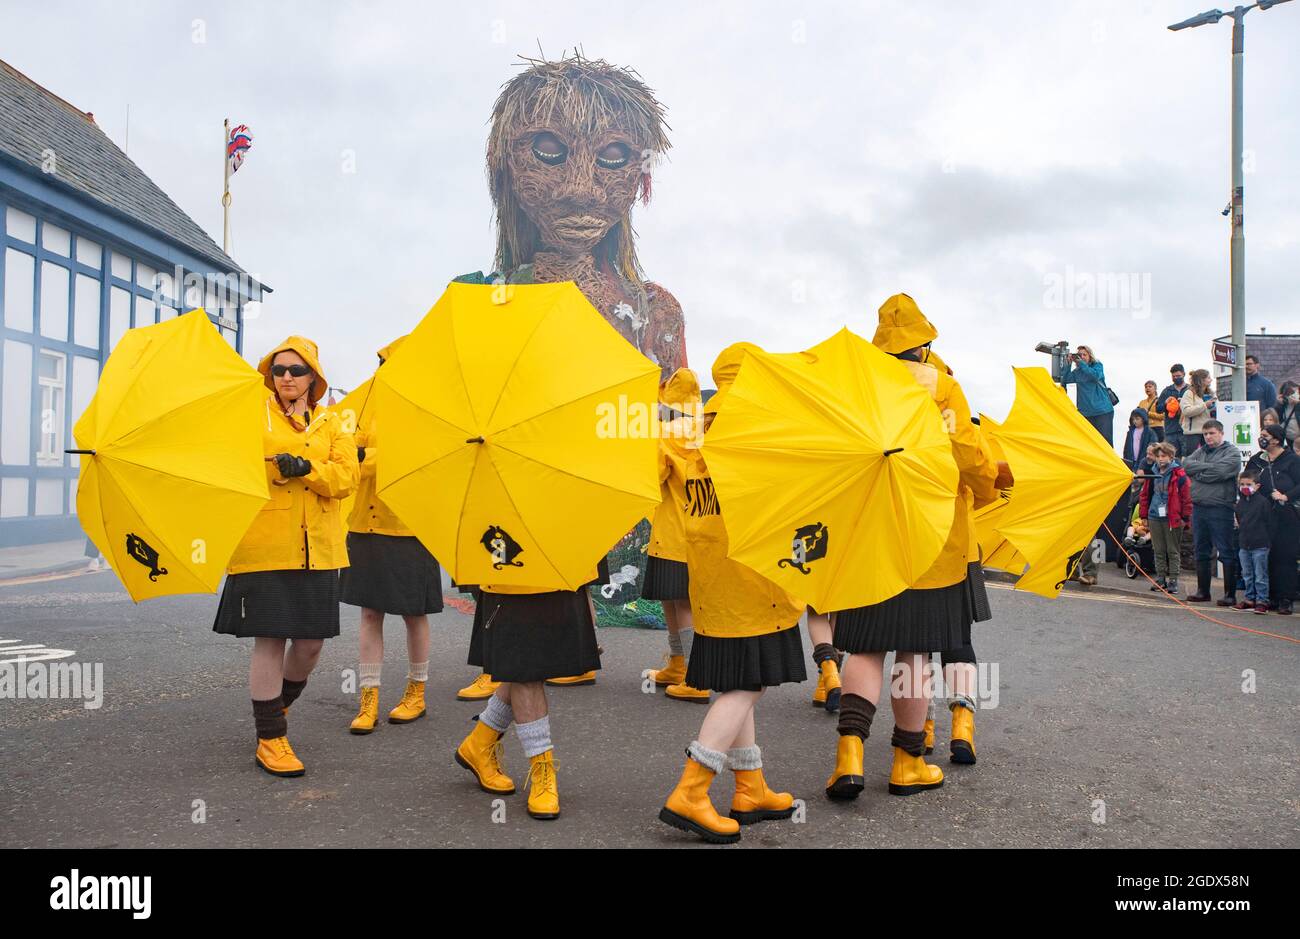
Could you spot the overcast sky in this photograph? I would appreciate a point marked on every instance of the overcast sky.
(825, 155)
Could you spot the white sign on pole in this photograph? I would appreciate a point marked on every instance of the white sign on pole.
(1241, 425)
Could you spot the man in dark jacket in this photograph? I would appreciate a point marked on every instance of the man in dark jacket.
(1174, 391)
(1259, 388)
(1213, 470)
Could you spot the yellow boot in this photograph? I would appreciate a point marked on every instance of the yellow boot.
(411, 707)
(368, 716)
(819, 693)
(684, 692)
(962, 746)
(277, 757)
(754, 802)
(911, 774)
(829, 678)
(690, 809)
(587, 678)
(480, 753)
(929, 736)
(673, 672)
(480, 689)
(847, 780)
(543, 791)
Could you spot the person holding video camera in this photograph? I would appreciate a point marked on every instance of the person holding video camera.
(1095, 401)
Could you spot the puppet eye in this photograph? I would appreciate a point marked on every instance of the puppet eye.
(614, 156)
(548, 149)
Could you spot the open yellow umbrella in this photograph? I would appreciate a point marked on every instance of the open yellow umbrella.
(172, 466)
(1067, 480)
(517, 434)
(834, 472)
(350, 410)
(995, 551)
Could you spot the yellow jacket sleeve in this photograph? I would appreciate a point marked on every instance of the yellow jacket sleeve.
(336, 476)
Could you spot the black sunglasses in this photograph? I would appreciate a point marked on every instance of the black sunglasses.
(297, 371)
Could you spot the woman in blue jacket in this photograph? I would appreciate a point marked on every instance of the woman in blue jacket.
(1093, 396)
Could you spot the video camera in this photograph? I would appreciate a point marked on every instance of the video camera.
(1060, 353)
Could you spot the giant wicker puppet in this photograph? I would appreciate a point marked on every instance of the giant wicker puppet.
(572, 147)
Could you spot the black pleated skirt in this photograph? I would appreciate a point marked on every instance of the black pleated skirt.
(666, 580)
(533, 636)
(933, 620)
(748, 663)
(391, 574)
(280, 605)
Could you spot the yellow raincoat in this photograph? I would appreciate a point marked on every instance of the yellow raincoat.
(728, 599)
(902, 327)
(369, 513)
(668, 527)
(299, 528)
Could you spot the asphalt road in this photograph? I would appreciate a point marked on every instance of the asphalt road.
(1104, 703)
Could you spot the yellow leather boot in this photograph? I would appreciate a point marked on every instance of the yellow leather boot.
(277, 757)
(587, 678)
(673, 672)
(829, 677)
(684, 692)
(480, 689)
(690, 809)
(847, 780)
(819, 693)
(368, 716)
(911, 774)
(480, 753)
(543, 790)
(929, 736)
(961, 748)
(411, 707)
(754, 802)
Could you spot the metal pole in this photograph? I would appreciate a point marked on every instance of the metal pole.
(225, 191)
(1238, 241)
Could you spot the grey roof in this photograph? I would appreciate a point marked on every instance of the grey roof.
(33, 119)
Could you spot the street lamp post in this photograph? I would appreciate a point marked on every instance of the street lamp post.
(1237, 242)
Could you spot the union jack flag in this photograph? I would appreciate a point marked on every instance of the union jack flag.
(241, 139)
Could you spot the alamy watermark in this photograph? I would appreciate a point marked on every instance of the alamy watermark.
(25, 680)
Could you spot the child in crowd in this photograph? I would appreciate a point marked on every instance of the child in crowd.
(1256, 520)
(1166, 504)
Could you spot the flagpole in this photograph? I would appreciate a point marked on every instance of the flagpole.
(225, 194)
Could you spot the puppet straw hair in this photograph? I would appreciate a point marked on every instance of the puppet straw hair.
(586, 95)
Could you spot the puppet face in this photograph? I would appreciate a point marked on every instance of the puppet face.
(574, 185)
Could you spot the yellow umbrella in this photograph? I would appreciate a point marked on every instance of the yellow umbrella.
(1067, 480)
(517, 434)
(995, 551)
(834, 472)
(172, 475)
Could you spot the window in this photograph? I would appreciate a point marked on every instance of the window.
(56, 240)
(85, 378)
(20, 283)
(13, 497)
(121, 266)
(119, 315)
(20, 225)
(54, 301)
(85, 320)
(49, 496)
(52, 380)
(16, 425)
(89, 253)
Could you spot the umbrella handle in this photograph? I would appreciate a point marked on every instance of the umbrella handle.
(279, 481)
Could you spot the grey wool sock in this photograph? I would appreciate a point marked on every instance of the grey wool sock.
(498, 715)
(742, 758)
(715, 760)
(535, 736)
(962, 701)
(417, 671)
(675, 644)
(686, 637)
(370, 674)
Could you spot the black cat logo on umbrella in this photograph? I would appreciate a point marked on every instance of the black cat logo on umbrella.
(145, 553)
(502, 547)
(809, 545)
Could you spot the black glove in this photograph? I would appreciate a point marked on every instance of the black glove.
(361, 454)
(291, 466)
